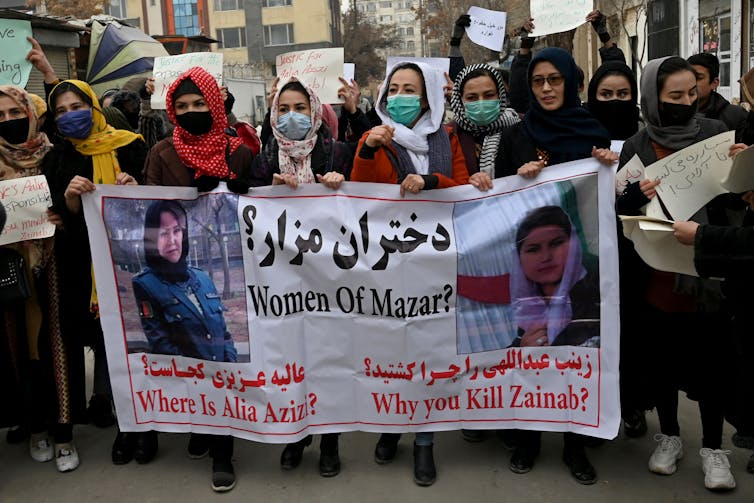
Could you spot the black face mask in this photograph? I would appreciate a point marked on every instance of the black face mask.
(15, 131)
(620, 118)
(196, 123)
(674, 114)
(133, 119)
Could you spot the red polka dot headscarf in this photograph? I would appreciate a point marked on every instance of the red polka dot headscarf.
(204, 153)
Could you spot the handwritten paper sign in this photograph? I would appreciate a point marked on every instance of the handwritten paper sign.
(316, 68)
(556, 17)
(690, 178)
(632, 171)
(25, 201)
(487, 28)
(168, 68)
(14, 69)
(741, 175)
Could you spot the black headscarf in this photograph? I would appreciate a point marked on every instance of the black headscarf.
(161, 267)
(570, 132)
(620, 117)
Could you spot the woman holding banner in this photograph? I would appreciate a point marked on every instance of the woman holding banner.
(682, 311)
(302, 150)
(556, 129)
(36, 351)
(413, 149)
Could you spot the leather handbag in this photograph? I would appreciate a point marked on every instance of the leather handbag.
(14, 282)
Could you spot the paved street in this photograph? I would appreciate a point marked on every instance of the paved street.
(466, 472)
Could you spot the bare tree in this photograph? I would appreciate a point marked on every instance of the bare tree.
(209, 217)
(640, 30)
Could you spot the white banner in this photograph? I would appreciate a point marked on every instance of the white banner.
(282, 313)
(167, 69)
(25, 201)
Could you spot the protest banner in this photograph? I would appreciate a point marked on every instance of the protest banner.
(655, 243)
(357, 309)
(632, 171)
(487, 28)
(168, 68)
(441, 64)
(556, 17)
(25, 201)
(690, 178)
(14, 69)
(317, 68)
(740, 178)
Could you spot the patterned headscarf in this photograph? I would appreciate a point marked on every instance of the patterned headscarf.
(295, 156)
(103, 141)
(24, 159)
(205, 153)
(492, 131)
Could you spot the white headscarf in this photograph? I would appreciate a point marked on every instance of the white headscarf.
(414, 140)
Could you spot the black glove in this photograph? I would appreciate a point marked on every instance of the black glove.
(206, 183)
(459, 28)
(600, 26)
(238, 186)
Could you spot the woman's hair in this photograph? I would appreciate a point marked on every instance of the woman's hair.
(107, 94)
(297, 86)
(406, 66)
(670, 66)
(65, 87)
(152, 232)
(541, 217)
(479, 72)
(124, 100)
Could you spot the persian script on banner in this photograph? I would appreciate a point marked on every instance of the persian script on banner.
(316, 311)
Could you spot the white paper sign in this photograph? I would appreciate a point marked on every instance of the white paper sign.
(25, 201)
(168, 68)
(658, 247)
(349, 70)
(558, 16)
(317, 68)
(487, 28)
(690, 178)
(741, 175)
(632, 171)
(442, 64)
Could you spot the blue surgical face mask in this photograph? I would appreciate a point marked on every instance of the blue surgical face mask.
(404, 108)
(482, 112)
(294, 125)
(76, 124)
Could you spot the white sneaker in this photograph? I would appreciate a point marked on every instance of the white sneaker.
(40, 447)
(66, 457)
(716, 468)
(666, 454)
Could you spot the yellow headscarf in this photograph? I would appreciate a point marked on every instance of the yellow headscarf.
(103, 140)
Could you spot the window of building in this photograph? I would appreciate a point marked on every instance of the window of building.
(231, 37)
(117, 8)
(186, 16)
(371, 7)
(278, 34)
(410, 31)
(401, 32)
(276, 3)
(715, 36)
(386, 19)
(410, 44)
(386, 5)
(228, 4)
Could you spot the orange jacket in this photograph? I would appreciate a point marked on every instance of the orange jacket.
(380, 170)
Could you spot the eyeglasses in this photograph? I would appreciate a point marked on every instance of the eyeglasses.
(553, 80)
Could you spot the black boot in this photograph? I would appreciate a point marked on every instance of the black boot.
(146, 447)
(425, 473)
(292, 454)
(123, 448)
(581, 469)
(386, 448)
(223, 475)
(329, 461)
(522, 460)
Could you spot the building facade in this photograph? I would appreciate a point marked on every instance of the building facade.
(399, 14)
